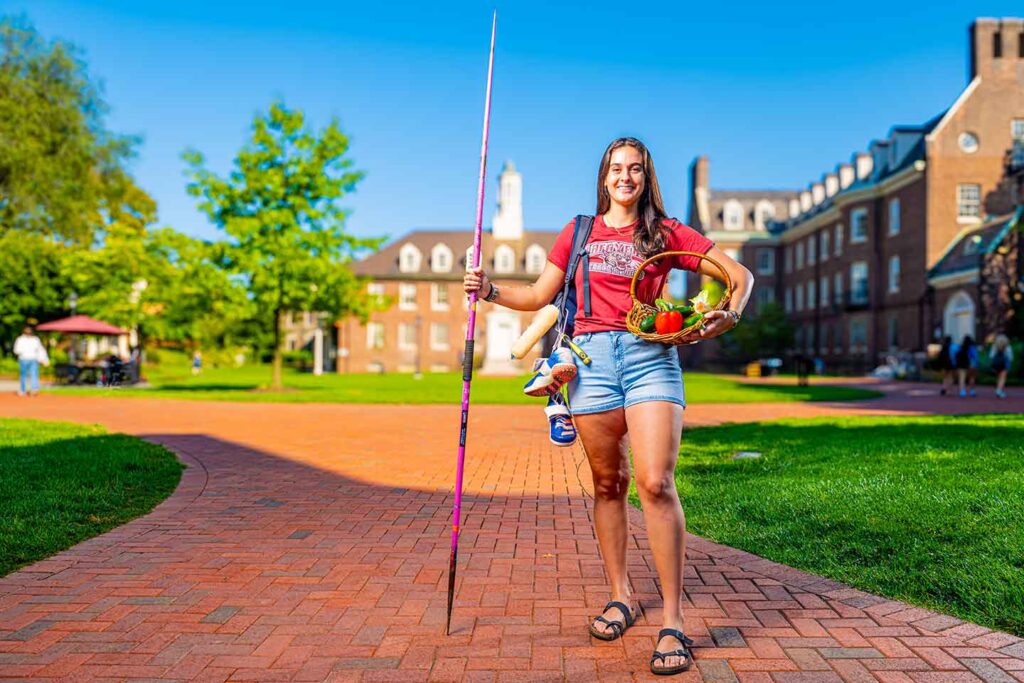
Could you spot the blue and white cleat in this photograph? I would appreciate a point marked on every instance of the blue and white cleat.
(551, 373)
(563, 431)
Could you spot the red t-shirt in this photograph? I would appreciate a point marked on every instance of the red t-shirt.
(613, 261)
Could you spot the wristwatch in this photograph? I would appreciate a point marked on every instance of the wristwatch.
(493, 294)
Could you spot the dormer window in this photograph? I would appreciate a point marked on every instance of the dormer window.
(764, 212)
(409, 258)
(535, 256)
(504, 259)
(441, 258)
(732, 215)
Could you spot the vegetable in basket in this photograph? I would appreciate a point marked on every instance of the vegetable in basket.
(667, 320)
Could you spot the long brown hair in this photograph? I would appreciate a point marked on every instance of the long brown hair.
(650, 235)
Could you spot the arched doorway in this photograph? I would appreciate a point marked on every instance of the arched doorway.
(958, 318)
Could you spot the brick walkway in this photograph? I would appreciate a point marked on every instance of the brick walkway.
(297, 547)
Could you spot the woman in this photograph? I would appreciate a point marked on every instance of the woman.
(1000, 356)
(631, 395)
(967, 366)
(30, 352)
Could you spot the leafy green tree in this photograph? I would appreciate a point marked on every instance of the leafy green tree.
(765, 334)
(33, 281)
(62, 173)
(280, 208)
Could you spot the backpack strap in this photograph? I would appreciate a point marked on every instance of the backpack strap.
(580, 236)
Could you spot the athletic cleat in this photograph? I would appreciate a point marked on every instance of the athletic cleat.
(551, 373)
(563, 431)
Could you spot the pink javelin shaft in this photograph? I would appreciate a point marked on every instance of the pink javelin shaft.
(467, 363)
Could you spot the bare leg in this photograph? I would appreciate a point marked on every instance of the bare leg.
(962, 374)
(1001, 382)
(607, 448)
(655, 428)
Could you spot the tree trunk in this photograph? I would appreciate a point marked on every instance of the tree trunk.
(276, 382)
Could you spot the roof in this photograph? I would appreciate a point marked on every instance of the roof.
(964, 253)
(384, 263)
(82, 324)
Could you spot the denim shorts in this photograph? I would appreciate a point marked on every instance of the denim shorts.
(624, 371)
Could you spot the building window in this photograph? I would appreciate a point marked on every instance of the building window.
(859, 282)
(376, 292)
(894, 216)
(824, 243)
(968, 142)
(504, 259)
(812, 250)
(535, 256)
(968, 201)
(858, 226)
(406, 297)
(763, 214)
(997, 44)
(439, 296)
(409, 258)
(894, 332)
(439, 336)
(894, 274)
(787, 259)
(799, 297)
(837, 288)
(732, 215)
(1017, 126)
(837, 339)
(839, 239)
(799, 255)
(375, 336)
(406, 336)
(824, 293)
(858, 335)
(765, 262)
(812, 295)
(441, 258)
(765, 295)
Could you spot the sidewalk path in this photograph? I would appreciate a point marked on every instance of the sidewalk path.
(310, 542)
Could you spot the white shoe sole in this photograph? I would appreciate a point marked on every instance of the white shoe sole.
(560, 374)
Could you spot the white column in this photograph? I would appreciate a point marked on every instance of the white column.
(318, 351)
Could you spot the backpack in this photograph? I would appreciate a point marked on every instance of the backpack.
(566, 300)
(963, 357)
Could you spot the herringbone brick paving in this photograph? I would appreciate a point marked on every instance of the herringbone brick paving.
(310, 542)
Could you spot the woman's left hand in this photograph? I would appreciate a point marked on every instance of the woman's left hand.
(716, 323)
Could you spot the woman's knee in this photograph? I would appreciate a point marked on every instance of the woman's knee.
(611, 484)
(656, 486)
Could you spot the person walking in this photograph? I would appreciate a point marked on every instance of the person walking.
(31, 353)
(630, 397)
(1000, 357)
(966, 355)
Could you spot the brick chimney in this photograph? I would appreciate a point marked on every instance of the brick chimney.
(996, 47)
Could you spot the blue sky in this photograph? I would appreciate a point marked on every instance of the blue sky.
(776, 94)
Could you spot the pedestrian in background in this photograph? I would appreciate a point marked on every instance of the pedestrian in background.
(197, 362)
(1000, 356)
(967, 365)
(30, 352)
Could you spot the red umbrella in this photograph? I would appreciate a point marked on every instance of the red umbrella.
(82, 324)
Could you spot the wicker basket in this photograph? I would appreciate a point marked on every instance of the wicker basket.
(641, 310)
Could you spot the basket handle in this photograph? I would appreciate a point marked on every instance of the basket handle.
(725, 276)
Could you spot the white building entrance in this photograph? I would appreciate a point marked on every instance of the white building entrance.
(958, 318)
(503, 328)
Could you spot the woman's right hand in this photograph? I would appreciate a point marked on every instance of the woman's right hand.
(476, 281)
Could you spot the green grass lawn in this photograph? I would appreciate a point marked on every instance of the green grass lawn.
(248, 383)
(929, 510)
(62, 483)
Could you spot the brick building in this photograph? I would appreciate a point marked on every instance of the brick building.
(424, 328)
(866, 252)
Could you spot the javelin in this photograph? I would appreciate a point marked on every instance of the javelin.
(467, 357)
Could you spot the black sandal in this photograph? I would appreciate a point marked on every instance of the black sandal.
(684, 653)
(616, 626)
